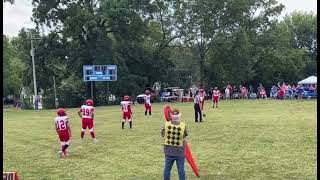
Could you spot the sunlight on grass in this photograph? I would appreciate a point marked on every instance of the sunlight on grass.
(239, 140)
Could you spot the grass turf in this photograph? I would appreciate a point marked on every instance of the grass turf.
(239, 140)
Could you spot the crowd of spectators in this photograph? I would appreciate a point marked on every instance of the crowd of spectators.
(287, 91)
(278, 91)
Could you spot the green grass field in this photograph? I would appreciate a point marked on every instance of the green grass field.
(239, 140)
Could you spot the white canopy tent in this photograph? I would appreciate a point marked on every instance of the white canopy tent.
(309, 80)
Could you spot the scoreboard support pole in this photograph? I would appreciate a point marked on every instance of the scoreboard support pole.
(91, 90)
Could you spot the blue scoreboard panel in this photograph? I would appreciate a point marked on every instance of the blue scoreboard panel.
(100, 72)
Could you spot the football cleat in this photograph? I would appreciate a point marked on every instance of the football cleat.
(62, 154)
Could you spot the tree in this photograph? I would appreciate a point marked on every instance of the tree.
(13, 69)
(303, 35)
(10, 1)
(215, 42)
(208, 20)
(303, 29)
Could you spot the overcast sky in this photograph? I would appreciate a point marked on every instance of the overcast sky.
(18, 15)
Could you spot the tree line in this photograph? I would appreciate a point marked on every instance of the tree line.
(165, 41)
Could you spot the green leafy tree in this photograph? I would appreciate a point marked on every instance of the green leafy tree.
(208, 20)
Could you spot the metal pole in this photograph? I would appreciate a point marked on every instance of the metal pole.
(108, 88)
(34, 74)
(91, 90)
(108, 94)
(56, 102)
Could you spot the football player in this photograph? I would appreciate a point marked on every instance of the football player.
(147, 103)
(215, 96)
(202, 94)
(86, 112)
(126, 111)
(63, 131)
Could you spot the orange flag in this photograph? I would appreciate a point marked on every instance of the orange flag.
(191, 161)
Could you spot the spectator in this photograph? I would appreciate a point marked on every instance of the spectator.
(230, 91)
(190, 94)
(241, 92)
(279, 85)
(306, 88)
(235, 92)
(18, 105)
(299, 91)
(261, 91)
(290, 92)
(294, 94)
(311, 89)
(273, 92)
(244, 92)
(227, 92)
(281, 93)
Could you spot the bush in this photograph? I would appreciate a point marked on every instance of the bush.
(26, 103)
(48, 101)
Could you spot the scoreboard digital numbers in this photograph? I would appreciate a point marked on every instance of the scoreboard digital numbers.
(100, 73)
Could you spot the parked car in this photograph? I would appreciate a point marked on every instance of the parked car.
(171, 94)
(168, 97)
(253, 96)
(140, 98)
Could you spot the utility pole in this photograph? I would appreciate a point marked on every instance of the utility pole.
(56, 102)
(190, 81)
(34, 72)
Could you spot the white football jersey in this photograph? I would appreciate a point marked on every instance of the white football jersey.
(61, 122)
(87, 111)
(125, 105)
(216, 92)
(148, 99)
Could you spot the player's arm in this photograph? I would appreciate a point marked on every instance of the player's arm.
(121, 108)
(56, 125)
(80, 113)
(129, 109)
(93, 111)
(68, 127)
(162, 132)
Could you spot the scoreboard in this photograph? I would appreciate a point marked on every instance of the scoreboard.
(100, 73)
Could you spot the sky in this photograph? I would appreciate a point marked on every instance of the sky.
(18, 15)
